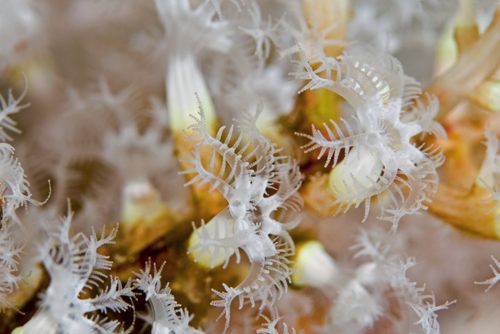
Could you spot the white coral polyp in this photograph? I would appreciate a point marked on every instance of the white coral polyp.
(186, 88)
(14, 191)
(9, 264)
(260, 185)
(75, 266)
(188, 33)
(366, 297)
(167, 316)
(14, 187)
(376, 135)
(314, 26)
(255, 179)
(8, 107)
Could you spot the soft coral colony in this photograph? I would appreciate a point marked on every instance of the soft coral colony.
(268, 163)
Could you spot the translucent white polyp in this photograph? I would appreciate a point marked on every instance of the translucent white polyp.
(184, 83)
(139, 200)
(359, 170)
(220, 226)
(355, 308)
(314, 266)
